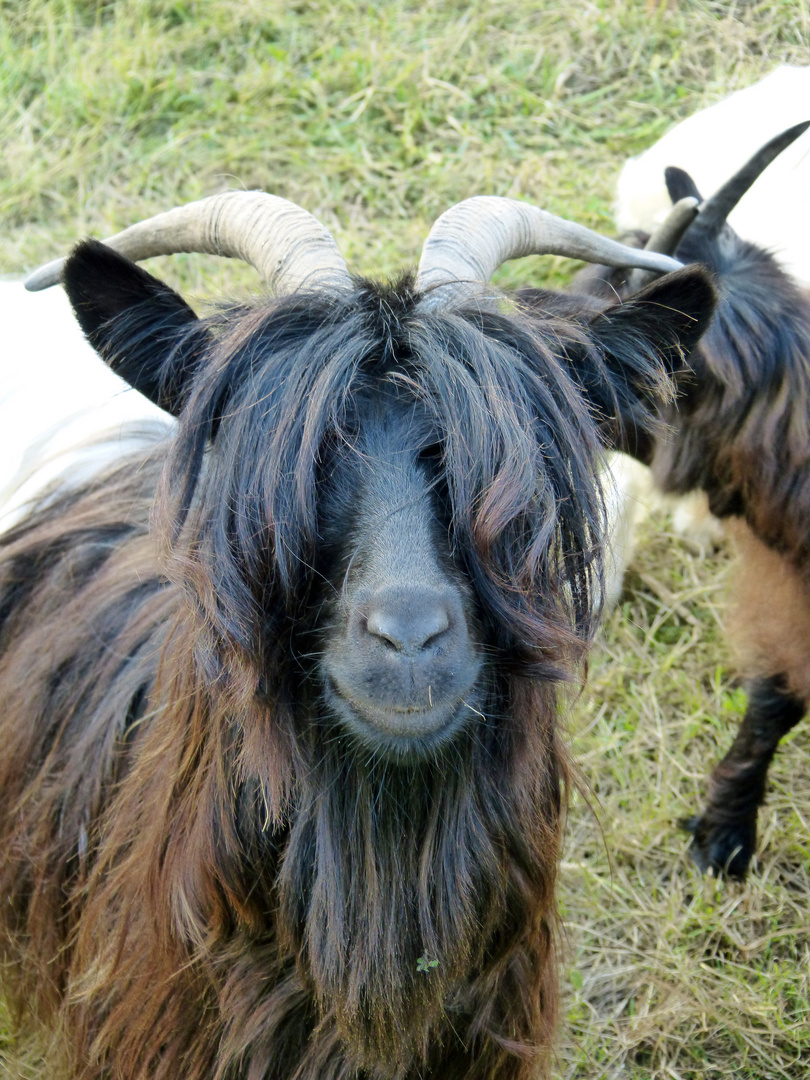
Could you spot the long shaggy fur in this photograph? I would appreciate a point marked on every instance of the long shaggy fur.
(742, 428)
(203, 875)
(743, 436)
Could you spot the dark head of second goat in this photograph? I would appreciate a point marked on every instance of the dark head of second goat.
(281, 777)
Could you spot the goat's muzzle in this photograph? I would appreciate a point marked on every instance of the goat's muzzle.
(404, 670)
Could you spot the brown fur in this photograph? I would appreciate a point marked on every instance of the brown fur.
(769, 612)
(224, 984)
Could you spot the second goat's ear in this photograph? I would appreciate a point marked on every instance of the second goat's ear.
(672, 313)
(138, 325)
(646, 343)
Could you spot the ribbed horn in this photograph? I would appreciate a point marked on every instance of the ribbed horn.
(714, 211)
(470, 241)
(666, 237)
(287, 245)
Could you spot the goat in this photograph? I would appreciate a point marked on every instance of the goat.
(741, 434)
(712, 144)
(282, 779)
(57, 400)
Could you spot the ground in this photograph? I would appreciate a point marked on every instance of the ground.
(376, 117)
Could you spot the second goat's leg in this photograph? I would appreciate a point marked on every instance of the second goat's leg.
(725, 834)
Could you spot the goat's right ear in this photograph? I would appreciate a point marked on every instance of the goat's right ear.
(644, 340)
(137, 324)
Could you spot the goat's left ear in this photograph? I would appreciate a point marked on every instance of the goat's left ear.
(138, 325)
(646, 342)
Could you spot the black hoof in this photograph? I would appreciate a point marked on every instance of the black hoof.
(724, 848)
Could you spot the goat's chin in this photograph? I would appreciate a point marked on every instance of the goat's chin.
(387, 914)
(403, 735)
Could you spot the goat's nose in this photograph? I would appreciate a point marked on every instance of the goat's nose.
(409, 620)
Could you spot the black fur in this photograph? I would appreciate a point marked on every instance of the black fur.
(725, 834)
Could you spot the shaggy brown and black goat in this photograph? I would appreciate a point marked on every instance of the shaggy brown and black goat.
(281, 779)
(741, 434)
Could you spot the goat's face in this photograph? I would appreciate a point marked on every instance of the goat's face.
(397, 501)
(401, 659)
(404, 523)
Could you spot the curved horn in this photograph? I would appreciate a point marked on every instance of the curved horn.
(714, 211)
(470, 241)
(288, 246)
(666, 237)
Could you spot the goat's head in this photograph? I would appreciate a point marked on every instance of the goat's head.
(413, 464)
(382, 507)
(747, 377)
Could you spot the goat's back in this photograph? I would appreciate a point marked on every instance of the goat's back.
(713, 144)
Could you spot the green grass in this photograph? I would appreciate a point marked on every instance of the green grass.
(376, 117)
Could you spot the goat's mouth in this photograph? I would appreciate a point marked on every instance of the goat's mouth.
(402, 732)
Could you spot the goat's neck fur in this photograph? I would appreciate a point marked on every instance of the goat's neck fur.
(370, 882)
(742, 428)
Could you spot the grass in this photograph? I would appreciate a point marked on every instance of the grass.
(671, 974)
(377, 116)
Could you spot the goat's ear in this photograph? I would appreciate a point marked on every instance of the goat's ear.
(645, 342)
(137, 325)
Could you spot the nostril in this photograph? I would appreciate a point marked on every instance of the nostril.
(406, 622)
(436, 634)
(388, 635)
